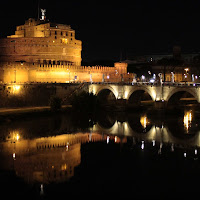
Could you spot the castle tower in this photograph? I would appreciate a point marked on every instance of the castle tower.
(121, 67)
(41, 41)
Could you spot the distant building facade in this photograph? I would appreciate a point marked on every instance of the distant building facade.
(41, 51)
(177, 67)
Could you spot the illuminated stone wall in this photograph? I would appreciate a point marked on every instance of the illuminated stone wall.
(22, 72)
(41, 51)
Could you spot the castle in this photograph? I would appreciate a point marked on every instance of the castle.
(46, 52)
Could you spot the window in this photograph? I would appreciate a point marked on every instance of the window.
(61, 33)
(55, 32)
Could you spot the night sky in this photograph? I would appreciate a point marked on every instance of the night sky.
(113, 29)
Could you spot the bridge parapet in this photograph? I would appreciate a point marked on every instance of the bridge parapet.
(157, 92)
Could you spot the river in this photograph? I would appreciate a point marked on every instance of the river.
(103, 155)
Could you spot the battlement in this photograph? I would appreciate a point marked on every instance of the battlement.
(69, 72)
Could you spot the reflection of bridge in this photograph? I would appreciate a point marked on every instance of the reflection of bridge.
(153, 92)
(159, 134)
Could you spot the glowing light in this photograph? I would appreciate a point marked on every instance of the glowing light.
(67, 146)
(15, 135)
(185, 154)
(152, 80)
(64, 41)
(115, 138)
(153, 94)
(142, 146)
(187, 120)
(14, 156)
(16, 89)
(153, 142)
(195, 151)
(144, 121)
(125, 94)
(108, 139)
(41, 189)
(143, 77)
(63, 167)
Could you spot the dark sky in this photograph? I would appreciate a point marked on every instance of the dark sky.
(109, 29)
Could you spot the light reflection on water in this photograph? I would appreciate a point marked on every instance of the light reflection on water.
(187, 120)
(53, 156)
(45, 159)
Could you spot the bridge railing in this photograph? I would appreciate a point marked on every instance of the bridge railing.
(177, 84)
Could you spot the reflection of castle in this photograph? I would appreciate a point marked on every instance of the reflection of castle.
(41, 51)
(50, 159)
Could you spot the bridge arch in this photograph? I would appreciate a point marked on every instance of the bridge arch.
(151, 92)
(115, 92)
(141, 94)
(177, 94)
(107, 95)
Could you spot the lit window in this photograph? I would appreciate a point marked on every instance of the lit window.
(64, 40)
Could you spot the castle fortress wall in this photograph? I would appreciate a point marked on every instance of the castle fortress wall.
(41, 51)
(21, 72)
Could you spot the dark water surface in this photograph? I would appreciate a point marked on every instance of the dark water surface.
(109, 155)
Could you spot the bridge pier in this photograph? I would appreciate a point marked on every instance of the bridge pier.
(159, 105)
(121, 104)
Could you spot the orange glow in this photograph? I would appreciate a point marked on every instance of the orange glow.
(144, 121)
(15, 135)
(16, 89)
(64, 40)
(187, 120)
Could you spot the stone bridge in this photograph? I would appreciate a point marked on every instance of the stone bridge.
(156, 93)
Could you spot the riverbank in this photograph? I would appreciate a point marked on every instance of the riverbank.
(10, 114)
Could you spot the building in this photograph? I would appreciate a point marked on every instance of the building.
(176, 67)
(42, 51)
(39, 41)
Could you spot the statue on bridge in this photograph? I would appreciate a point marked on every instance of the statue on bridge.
(160, 75)
(91, 79)
(103, 79)
(172, 78)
